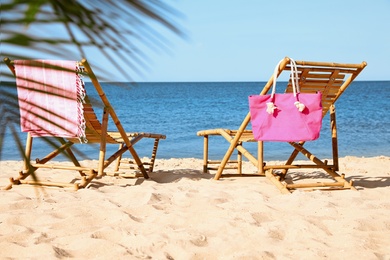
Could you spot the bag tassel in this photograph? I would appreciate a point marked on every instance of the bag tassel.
(271, 108)
(300, 106)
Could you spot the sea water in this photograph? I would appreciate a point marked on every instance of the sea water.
(180, 109)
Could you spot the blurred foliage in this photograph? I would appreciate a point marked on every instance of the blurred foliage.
(120, 32)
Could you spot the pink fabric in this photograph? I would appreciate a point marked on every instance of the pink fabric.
(50, 99)
(286, 123)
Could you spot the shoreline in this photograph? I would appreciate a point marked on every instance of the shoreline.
(180, 213)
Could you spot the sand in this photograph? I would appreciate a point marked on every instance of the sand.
(180, 213)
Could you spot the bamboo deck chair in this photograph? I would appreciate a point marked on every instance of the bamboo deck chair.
(35, 113)
(332, 79)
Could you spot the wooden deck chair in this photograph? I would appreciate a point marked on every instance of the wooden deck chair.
(331, 79)
(43, 116)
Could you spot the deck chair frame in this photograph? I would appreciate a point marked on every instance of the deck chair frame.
(313, 76)
(96, 132)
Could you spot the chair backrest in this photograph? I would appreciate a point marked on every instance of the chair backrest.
(331, 79)
(50, 97)
(45, 88)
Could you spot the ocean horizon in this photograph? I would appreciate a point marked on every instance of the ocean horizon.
(181, 109)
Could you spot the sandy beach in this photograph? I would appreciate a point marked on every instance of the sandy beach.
(180, 213)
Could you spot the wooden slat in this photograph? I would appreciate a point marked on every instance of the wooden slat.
(331, 64)
(319, 76)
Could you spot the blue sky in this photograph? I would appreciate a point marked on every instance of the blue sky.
(242, 40)
(231, 40)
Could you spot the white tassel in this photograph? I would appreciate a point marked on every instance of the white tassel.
(271, 107)
(300, 106)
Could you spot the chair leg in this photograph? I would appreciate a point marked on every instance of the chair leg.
(333, 128)
(205, 153)
(118, 160)
(276, 181)
(102, 153)
(28, 149)
(27, 167)
(239, 160)
(260, 157)
(154, 153)
(86, 180)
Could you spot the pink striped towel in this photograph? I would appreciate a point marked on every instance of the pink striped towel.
(50, 98)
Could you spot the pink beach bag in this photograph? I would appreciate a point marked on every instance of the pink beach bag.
(288, 117)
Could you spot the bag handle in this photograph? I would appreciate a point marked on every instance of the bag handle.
(295, 86)
(294, 77)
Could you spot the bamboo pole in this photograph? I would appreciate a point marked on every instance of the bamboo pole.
(114, 117)
(276, 182)
(315, 185)
(62, 167)
(333, 128)
(260, 157)
(118, 160)
(103, 134)
(298, 166)
(54, 153)
(239, 161)
(28, 149)
(205, 153)
(359, 66)
(47, 183)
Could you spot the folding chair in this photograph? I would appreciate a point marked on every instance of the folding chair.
(332, 79)
(48, 88)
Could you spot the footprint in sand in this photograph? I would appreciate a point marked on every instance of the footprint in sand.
(131, 216)
(276, 234)
(260, 218)
(61, 253)
(159, 201)
(41, 238)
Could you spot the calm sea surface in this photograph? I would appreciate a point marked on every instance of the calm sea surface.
(179, 110)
